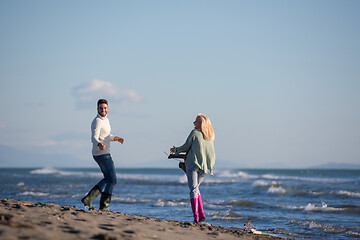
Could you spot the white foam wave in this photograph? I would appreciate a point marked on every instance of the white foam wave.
(291, 207)
(317, 193)
(154, 178)
(130, 200)
(46, 170)
(228, 216)
(263, 183)
(311, 179)
(163, 203)
(232, 174)
(323, 208)
(183, 179)
(54, 171)
(35, 194)
(21, 184)
(348, 193)
(355, 234)
(313, 208)
(218, 181)
(278, 190)
(324, 227)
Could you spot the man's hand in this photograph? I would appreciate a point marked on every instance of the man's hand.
(101, 146)
(119, 139)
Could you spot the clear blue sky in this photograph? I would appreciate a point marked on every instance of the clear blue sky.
(280, 80)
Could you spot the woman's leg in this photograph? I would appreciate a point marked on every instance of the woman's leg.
(195, 177)
(193, 182)
(201, 176)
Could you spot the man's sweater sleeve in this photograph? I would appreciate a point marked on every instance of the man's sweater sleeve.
(112, 137)
(95, 131)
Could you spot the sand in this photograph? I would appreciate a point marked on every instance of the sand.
(28, 220)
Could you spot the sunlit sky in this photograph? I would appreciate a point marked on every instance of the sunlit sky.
(280, 80)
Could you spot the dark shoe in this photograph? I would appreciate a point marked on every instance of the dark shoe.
(105, 201)
(89, 198)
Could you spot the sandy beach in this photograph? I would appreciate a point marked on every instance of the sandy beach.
(28, 220)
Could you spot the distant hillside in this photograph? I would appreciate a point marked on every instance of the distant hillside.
(333, 165)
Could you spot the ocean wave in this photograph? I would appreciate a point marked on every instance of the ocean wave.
(263, 183)
(324, 227)
(46, 170)
(244, 203)
(34, 194)
(291, 207)
(228, 216)
(235, 175)
(354, 234)
(130, 200)
(170, 203)
(151, 179)
(168, 179)
(21, 184)
(348, 193)
(323, 208)
(277, 190)
(318, 193)
(49, 195)
(343, 193)
(311, 179)
(216, 204)
(54, 171)
(141, 178)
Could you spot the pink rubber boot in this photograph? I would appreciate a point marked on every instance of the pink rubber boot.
(195, 208)
(201, 210)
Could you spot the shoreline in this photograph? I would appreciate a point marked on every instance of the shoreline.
(29, 220)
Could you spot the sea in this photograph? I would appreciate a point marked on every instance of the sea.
(296, 203)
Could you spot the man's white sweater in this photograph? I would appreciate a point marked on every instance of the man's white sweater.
(100, 133)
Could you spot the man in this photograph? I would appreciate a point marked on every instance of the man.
(101, 137)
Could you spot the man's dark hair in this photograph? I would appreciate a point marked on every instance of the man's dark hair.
(101, 101)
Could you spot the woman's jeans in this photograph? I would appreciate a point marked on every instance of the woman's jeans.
(195, 177)
(107, 167)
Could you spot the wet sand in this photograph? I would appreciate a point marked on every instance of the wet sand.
(28, 220)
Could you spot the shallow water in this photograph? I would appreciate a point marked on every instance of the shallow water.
(303, 204)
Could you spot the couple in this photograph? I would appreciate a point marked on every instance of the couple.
(199, 161)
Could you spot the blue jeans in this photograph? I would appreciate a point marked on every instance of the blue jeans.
(107, 167)
(195, 177)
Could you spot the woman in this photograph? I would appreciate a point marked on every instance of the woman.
(200, 160)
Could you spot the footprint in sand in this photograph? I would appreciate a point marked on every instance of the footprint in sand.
(80, 220)
(108, 227)
(70, 229)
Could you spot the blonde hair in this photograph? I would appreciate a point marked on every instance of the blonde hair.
(206, 127)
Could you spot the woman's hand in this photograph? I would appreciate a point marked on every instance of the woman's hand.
(172, 150)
